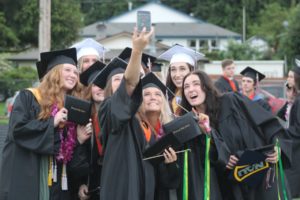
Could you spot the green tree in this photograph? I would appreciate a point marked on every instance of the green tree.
(269, 25)
(66, 20)
(102, 10)
(240, 51)
(290, 43)
(23, 18)
(8, 37)
(15, 79)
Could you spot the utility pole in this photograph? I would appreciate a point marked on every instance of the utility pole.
(244, 23)
(45, 26)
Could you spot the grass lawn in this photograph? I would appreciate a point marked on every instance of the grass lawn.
(3, 118)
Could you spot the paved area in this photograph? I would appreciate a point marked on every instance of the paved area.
(3, 132)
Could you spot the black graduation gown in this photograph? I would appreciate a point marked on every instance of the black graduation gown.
(223, 85)
(262, 102)
(245, 125)
(124, 174)
(27, 141)
(293, 174)
(219, 154)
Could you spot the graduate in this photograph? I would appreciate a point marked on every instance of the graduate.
(243, 125)
(181, 60)
(153, 113)
(40, 145)
(89, 163)
(88, 52)
(124, 174)
(250, 81)
(293, 174)
(226, 82)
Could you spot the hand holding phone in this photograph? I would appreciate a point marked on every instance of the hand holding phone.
(143, 20)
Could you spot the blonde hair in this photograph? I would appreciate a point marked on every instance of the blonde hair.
(51, 91)
(80, 62)
(164, 116)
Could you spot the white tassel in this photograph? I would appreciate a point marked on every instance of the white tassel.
(54, 171)
(64, 180)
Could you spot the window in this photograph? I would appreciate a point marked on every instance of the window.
(203, 44)
(192, 44)
(214, 44)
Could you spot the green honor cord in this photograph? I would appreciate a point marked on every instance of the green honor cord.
(185, 193)
(281, 173)
(207, 170)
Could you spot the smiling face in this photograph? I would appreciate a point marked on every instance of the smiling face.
(178, 72)
(152, 99)
(193, 91)
(116, 81)
(97, 94)
(87, 61)
(70, 76)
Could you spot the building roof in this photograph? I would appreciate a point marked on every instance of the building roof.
(102, 30)
(169, 15)
(28, 55)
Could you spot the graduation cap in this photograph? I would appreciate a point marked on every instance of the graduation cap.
(53, 58)
(90, 74)
(296, 68)
(146, 58)
(177, 132)
(151, 80)
(251, 168)
(179, 53)
(252, 73)
(116, 66)
(89, 46)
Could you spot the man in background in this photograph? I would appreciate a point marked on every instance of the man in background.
(226, 83)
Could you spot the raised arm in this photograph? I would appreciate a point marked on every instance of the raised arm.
(132, 73)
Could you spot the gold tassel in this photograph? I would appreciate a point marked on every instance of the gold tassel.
(50, 171)
(64, 180)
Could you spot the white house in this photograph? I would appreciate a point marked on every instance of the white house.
(171, 27)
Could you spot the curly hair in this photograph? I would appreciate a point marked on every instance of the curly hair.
(212, 99)
(51, 91)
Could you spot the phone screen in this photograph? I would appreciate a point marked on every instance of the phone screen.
(143, 20)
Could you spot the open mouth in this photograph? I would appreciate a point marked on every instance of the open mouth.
(194, 96)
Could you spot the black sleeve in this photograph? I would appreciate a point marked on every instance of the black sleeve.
(169, 175)
(117, 110)
(281, 112)
(27, 131)
(294, 126)
(79, 164)
(220, 153)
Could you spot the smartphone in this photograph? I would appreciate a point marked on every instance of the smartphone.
(143, 20)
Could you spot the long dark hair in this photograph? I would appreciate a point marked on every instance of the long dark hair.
(212, 99)
(297, 83)
(169, 82)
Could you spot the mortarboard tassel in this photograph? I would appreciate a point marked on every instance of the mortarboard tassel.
(185, 193)
(50, 171)
(281, 173)
(64, 180)
(54, 169)
(207, 168)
